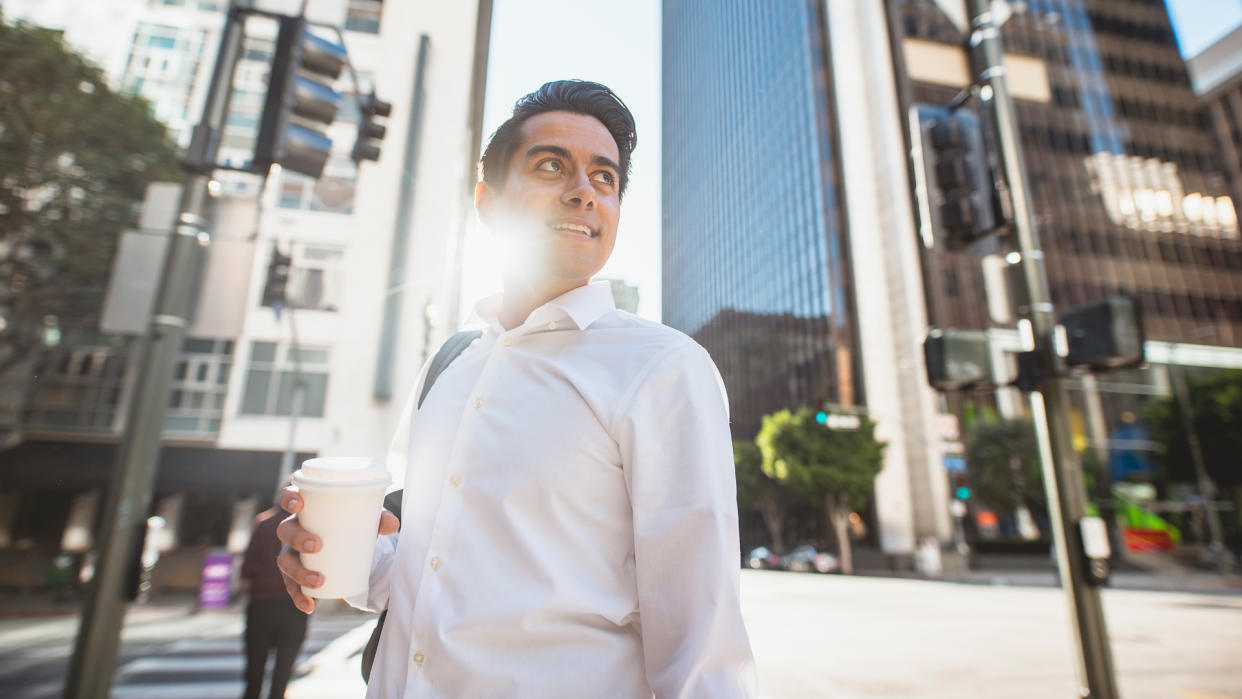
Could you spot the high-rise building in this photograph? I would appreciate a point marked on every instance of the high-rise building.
(373, 249)
(753, 229)
(1216, 75)
(1127, 183)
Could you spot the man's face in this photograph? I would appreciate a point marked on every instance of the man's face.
(558, 208)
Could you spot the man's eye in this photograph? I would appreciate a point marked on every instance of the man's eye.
(605, 177)
(549, 166)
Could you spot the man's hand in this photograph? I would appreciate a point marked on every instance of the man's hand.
(297, 541)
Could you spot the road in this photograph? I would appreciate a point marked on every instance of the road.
(813, 636)
(170, 652)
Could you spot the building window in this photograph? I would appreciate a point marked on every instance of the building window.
(331, 193)
(199, 385)
(78, 389)
(315, 279)
(272, 375)
(363, 16)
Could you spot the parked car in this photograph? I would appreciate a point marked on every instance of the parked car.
(805, 558)
(761, 557)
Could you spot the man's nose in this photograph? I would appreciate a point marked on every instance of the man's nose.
(580, 193)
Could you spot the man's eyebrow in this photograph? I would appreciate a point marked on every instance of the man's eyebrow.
(564, 153)
(607, 162)
(540, 148)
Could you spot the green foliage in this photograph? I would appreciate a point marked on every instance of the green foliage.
(1002, 461)
(1216, 410)
(815, 461)
(753, 486)
(75, 159)
(755, 491)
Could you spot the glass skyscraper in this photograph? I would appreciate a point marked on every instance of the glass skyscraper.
(754, 260)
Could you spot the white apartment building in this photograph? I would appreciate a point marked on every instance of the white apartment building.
(376, 265)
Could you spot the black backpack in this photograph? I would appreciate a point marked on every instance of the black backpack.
(392, 502)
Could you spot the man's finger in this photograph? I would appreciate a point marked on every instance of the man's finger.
(290, 499)
(389, 524)
(290, 565)
(305, 603)
(291, 534)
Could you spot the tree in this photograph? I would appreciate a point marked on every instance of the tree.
(833, 466)
(1216, 414)
(1002, 460)
(755, 491)
(75, 159)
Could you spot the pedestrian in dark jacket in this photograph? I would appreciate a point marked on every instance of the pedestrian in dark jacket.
(272, 622)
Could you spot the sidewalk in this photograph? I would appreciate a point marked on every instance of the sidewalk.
(1190, 582)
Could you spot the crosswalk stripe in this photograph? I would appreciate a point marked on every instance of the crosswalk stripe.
(183, 664)
(180, 690)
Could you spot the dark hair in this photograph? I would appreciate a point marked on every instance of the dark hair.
(577, 96)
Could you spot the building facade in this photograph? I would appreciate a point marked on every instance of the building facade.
(753, 236)
(374, 277)
(1216, 76)
(1127, 181)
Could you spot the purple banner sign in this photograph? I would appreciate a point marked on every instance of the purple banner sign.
(213, 591)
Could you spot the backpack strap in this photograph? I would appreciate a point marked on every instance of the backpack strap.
(452, 347)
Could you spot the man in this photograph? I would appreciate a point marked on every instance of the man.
(272, 621)
(569, 521)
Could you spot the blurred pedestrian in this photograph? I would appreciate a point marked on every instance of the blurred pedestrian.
(569, 519)
(273, 623)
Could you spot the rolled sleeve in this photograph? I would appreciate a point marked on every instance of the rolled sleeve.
(677, 451)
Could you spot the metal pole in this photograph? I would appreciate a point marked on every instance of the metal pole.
(1067, 496)
(129, 491)
(299, 396)
(1207, 488)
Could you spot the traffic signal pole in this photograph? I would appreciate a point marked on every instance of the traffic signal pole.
(95, 649)
(1067, 495)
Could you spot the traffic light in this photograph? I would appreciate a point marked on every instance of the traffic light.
(1104, 334)
(370, 132)
(961, 486)
(300, 102)
(277, 279)
(953, 181)
(957, 359)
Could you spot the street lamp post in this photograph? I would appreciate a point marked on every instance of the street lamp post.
(1067, 497)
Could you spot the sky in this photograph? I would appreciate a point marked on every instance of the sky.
(618, 44)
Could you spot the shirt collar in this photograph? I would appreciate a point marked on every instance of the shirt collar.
(582, 306)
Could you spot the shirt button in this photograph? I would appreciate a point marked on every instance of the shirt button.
(552, 325)
(419, 658)
(435, 563)
(478, 403)
(455, 479)
(506, 341)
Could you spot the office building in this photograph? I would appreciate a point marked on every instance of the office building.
(1216, 76)
(1127, 182)
(374, 269)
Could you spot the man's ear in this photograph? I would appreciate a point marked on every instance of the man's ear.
(484, 201)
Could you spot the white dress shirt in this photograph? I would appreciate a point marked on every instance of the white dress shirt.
(569, 522)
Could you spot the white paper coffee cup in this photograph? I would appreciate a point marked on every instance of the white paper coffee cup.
(342, 498)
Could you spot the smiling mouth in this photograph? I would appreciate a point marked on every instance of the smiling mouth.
(575, 228)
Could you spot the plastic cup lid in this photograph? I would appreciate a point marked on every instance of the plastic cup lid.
(344, 470)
